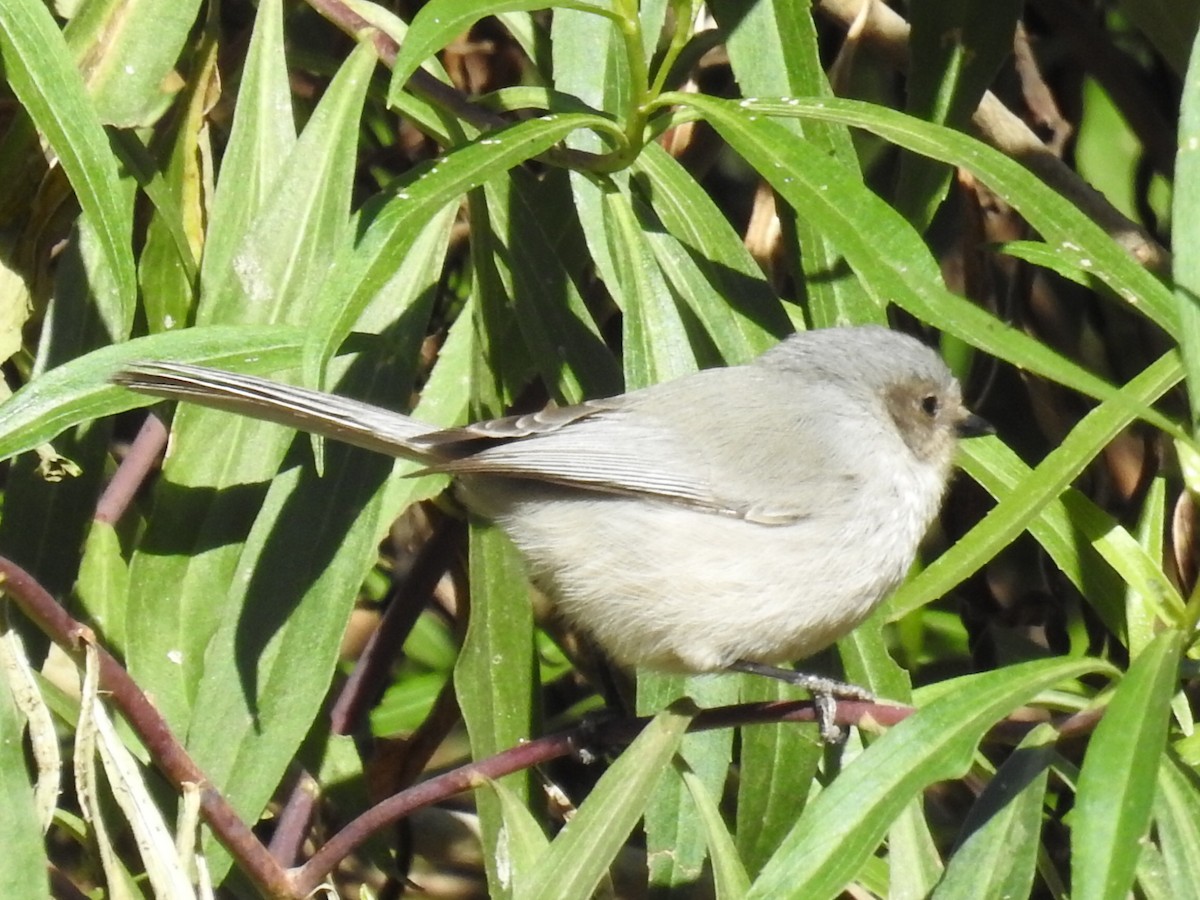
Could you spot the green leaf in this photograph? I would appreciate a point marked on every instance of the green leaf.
(406, 704)
(1152, 880)
(590, 66)
(729, 875)
(531, 219)
(79, 391)
(656, 340)
(997, 851)
(441, 21)
(167, 268)
(581, 854)
(128, 51)
(499, 638)
(1177, 820)
(913, 862)
(138, 161)
(38, 68)
(844, 825)
(705, 260)
(956, 49)
(1055, 257)
(498, 711)
(274, 276)
(523, 842)
(391, 225)
(1185, 215)
(313, 541)
(1142, 611)
(1086, 543)
(273, 654)
(774, 52)
(1057, 219)
(676, 843)
(780, 762)
(23, 863)
(103, 583)
(865, 657)
(1116, 786)
(15, 306)
(278, 267)
(1018, 508)
(310, 550)
(45, 519)
(262, 133)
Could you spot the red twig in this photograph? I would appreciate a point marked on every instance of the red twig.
(373, 669)
(138, 463)
(168, 754)
(420, 83)
(257, 862)
(295, 819)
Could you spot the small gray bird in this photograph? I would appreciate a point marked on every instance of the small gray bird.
(735, 518)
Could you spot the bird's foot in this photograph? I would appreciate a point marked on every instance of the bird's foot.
(825, 692)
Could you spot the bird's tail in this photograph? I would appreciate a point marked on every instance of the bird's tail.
(329, 415)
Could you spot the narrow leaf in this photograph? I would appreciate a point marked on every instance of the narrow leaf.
(583, 851)
(1185, 216)
(441, 21)
(844, 825)
(1117, 780)
(997, 852)
(23, 863)
(391, 225)
(729, 875)
(79, 391)
(38, 68)
(1177, 819)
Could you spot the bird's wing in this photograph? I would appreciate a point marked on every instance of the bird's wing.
(598, 446)
(466, 438)
(595, 452)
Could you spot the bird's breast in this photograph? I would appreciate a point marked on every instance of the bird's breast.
(669, 587)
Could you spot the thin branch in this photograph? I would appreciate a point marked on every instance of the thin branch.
(615, 734)
(1037, 94)
(442, 95)
(168, 754)
(419, 749)
(370, 677)
(137, 465)
(172, 759)
(612, 733)
(535, 752)
(421, 83)
(294, 820)
(886, 34)
(257, 862)
(1118, 75)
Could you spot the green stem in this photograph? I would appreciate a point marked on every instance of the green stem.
(1191, 613)
(685, 14)
(629, 27)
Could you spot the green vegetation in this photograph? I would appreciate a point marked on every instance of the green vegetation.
(474, 213)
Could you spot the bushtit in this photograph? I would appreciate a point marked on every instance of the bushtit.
(730, 519)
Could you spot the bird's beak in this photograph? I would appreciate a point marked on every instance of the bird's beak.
(971, 425)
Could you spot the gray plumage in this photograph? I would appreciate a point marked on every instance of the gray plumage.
(757, 512)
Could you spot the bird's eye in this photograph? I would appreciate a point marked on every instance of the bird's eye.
(930, 405)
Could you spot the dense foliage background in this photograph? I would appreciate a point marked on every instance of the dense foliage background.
(497, 205)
